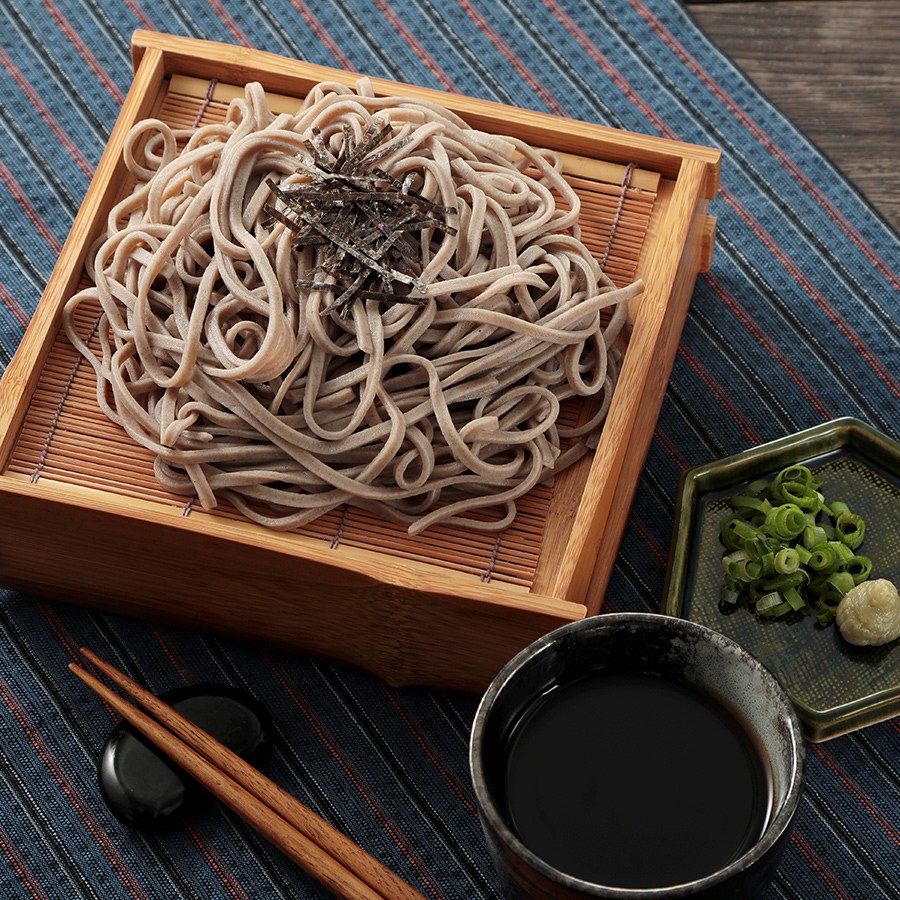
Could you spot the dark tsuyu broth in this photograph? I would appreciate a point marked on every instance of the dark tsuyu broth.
(631, 780)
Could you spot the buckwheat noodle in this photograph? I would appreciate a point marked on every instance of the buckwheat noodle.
(212, 357)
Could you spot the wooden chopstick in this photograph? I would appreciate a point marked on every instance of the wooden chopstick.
(320, 849)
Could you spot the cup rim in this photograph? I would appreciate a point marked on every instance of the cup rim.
(488, 808)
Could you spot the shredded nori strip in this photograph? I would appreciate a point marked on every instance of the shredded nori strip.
(365, 224)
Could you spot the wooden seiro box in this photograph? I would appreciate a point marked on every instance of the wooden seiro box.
(82, 518)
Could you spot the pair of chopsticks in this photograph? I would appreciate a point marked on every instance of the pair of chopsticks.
(320, 849)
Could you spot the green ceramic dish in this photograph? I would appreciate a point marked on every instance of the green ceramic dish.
(835, 686)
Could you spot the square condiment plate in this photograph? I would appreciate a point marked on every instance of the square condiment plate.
(837, 687)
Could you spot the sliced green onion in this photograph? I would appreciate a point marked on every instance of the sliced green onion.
(785, 521)
(823, 559)
(837, 508)
(840, 581)
(801, 474)
(842, 552)
(745, 503)
(859, 568)
(801, 495)
(802, 554)
(813, 535)
(761, 545)
(729, 595)
(795, 600)
(786, 560)
(850, 529)
(783, 582)
(735, 532)
(740, 567)
(787, 550)
(768, 602)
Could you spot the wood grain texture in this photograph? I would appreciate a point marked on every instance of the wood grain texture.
(82, 525)
(22, 374)
(833, 67)
(607, 498)
(317, 846)
(280, 75)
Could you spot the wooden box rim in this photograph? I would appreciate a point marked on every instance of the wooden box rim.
(679, 248)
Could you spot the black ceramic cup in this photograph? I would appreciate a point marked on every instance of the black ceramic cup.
(684, 657)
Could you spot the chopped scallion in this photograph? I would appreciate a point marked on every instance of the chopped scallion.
(787, 551)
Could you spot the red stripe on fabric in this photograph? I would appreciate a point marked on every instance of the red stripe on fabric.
(358, 782)
(170, 654)
(68, 788)
(750, 325)
(140, 15)
(45, 114)
(658, 551)
(21, 869)
(823, 871)
(744, 118)
(216, 863)
(670, 448)
(853, 787)
(614, 75)
(229, 22)
(416, 46)
(84, 52)
(812, 291)
(28, 208)
(767, 240)
(719, 392)
(514, 60)
(65, 641)
(62, 635)
(429, 750)
(48, 613)
(63, 638)
(13, 305)
(322, 34)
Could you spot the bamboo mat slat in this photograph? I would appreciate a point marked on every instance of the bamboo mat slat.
(67, 439)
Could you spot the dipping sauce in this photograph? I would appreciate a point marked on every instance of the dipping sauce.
(631, 780)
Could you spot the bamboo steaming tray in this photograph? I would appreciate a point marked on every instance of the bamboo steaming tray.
(82, 518)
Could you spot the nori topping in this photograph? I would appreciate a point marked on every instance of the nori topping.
(365, 224)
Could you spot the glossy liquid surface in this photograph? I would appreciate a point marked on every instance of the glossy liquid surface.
(630, 780)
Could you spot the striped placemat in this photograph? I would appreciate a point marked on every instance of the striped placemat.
(795, 324)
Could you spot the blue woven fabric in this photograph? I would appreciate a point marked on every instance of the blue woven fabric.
(796, 323)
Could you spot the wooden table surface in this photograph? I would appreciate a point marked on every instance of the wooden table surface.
(831, 66)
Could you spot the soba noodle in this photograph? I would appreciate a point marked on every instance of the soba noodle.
(211, 356)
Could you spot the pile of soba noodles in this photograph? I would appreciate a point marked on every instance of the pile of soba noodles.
(247, 385)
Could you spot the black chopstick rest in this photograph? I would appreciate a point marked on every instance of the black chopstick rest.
(144, 788)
